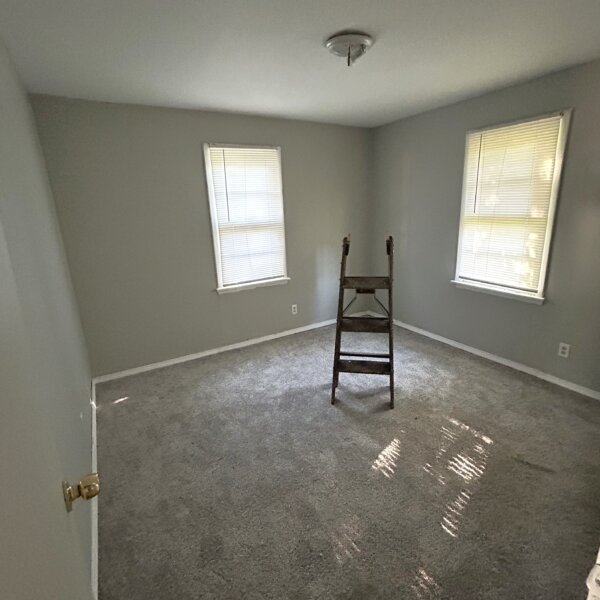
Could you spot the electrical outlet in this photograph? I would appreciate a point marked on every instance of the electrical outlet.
(294, 309)
(564, 349)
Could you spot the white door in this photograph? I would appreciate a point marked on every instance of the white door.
(45, 435)
(41, 553)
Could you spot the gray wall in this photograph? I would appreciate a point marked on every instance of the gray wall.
(417, 168)
(131, 198)
(45, 434)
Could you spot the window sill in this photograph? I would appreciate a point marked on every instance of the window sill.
(251, 285)
(498, 291)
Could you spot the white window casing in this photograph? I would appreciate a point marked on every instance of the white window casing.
(246, 208)
(510, 189)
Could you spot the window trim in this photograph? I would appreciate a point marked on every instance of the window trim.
(497, 289)
(212, 206)
(250, 285)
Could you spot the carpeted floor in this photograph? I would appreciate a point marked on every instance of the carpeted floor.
(233, 477)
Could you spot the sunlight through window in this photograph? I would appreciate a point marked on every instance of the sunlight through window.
(345, 539)
(454, 511)
(460, 460)
(386, 461)
(424, 586)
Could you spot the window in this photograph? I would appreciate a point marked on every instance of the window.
(246, 206)
(510, 187)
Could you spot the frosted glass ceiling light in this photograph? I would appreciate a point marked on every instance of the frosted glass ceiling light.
(350, 45)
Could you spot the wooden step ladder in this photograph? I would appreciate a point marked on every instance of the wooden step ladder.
(353, 362)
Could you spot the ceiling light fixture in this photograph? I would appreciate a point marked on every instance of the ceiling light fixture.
(349, 44)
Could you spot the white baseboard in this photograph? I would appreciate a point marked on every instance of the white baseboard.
(575, 387)
(94, 502)
(196, 355)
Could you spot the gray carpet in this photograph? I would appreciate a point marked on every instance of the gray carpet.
(233, 477)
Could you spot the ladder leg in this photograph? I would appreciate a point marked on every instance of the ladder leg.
(390, 251)
(334, 384)
(336, 358)
(391, 352)
(392, 388)
(338, 328)
(336, 373)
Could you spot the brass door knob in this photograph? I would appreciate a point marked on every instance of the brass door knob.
(87, 488)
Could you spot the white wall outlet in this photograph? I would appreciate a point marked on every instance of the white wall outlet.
(564, 349)
(294, 309)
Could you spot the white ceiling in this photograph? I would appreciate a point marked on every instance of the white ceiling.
(267, 57)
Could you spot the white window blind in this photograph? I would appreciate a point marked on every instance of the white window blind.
(509, 194)
(246, 203)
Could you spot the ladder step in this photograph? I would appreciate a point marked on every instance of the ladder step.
(366, 324)
(367, 354)
(366, 284)
(371, 367)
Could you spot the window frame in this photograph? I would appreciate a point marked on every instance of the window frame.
(505, 291)
(212, 206)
